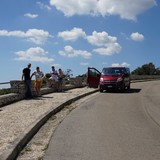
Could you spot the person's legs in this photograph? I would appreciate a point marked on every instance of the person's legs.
(28, 88)
(56, 85)
(39, 88)
(60, 84)
(36, 87)
(51, 82)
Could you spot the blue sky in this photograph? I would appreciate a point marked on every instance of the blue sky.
(76, 34)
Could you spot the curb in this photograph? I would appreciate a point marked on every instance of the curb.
(17, 146)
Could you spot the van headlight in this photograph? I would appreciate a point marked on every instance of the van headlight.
(120, 79)
(101, 79)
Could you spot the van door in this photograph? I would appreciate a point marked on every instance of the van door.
(127, 78)
(93, 77)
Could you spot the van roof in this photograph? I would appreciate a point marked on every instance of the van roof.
(116, 67)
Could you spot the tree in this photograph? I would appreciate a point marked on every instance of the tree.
(146, 69)
(68, 73)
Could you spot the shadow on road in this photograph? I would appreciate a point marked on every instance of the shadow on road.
(132, 90)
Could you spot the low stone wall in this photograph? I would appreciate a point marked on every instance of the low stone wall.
(19, 87)
(18, 91)
(10, 98)
(144, 77)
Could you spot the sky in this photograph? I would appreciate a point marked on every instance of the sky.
(77, 34)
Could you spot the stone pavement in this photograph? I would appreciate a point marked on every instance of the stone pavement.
(20, 121)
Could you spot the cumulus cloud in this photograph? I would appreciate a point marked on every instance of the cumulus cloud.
(108, 44)
(34, 54)
(103, 7)
(84, 64)
(73, 34)
(108, 51)
(71, 52)
(29, 15)
(43, 6)
(71, 8)
(36, 36)
(101, 39)
(137, 36)
(124, 64)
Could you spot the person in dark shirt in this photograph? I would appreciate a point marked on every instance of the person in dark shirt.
(27, 79)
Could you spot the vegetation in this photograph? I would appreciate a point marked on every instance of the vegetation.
(146, 69)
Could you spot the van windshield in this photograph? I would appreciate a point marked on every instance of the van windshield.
(113, 71)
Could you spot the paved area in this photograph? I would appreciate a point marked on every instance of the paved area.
(20, 120)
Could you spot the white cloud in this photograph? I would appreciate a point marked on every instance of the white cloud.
(34, 54)
(104, 63)
(56, 65)
(110, 50)
(73, 34)
(137, 36)
(36, 36)
(71, 52)
(44, 6)
(84, 64)
(101, 39)
(29, 15)
(72, 7)
(108, 44)
(126, 9)
(124, 64)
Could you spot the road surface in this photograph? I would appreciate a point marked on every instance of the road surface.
(111, 126)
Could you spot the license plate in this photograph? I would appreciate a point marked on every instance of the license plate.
(109, 86)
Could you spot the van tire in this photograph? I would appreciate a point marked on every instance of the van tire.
(100, 89)
(128, 87)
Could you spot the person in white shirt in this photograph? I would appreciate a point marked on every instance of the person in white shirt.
(53, 80)
(39, 79)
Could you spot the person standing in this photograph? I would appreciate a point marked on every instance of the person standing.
(54, 78)
(39, 79)
(27, 79)
(60, 79)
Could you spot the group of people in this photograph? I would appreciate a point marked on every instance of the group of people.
(55, 80)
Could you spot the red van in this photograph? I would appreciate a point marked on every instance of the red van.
(117, 78)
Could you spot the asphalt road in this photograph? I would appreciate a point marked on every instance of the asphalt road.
(111, 126)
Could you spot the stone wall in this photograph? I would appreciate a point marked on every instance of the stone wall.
(10, 98)
(18, 91)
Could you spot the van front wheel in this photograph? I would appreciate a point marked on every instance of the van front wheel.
(128, 87)
(100, 89)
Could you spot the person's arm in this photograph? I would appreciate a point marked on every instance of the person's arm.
(42, 75)
(32, 74)
(22, 76)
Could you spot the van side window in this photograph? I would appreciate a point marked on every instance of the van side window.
(93, 72)
(128, 71)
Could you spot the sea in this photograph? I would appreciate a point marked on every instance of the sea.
(4, 86)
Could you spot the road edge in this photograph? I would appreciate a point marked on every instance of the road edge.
(18, 145)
